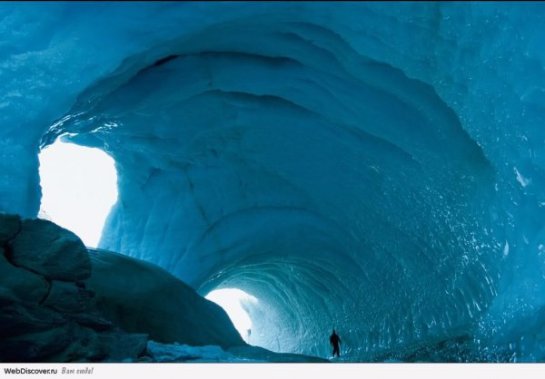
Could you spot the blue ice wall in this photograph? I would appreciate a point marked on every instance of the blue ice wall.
(373, 167)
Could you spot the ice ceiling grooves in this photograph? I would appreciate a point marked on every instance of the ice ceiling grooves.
(275, 157)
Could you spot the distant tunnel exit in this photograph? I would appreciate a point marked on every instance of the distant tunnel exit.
(232, 300)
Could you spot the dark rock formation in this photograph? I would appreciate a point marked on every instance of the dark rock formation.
(55, 306)
(46, 312)
(49, 250)
(143, 298)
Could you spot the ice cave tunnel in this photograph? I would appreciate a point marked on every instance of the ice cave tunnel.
(378, 168)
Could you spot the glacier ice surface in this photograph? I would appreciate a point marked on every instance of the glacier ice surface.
(357, 165)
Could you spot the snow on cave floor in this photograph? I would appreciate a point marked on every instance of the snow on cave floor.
(165, 353)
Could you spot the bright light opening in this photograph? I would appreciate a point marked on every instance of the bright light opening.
(232, 301)
(79, 187)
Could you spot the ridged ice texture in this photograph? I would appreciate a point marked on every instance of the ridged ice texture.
(377, 168)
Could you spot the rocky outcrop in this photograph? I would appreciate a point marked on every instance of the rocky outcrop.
(46, 312)
(61, 303)
(19, 283)
(51, 251)
(143, 298)
(10, 226)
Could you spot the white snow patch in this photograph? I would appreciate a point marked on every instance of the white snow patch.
(160, 352)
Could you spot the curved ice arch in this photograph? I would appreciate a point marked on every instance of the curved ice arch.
(191, 134)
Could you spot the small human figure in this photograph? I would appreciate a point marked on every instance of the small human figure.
(335, 341)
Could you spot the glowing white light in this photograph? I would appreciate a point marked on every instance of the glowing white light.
(79, 187)
(230, 300)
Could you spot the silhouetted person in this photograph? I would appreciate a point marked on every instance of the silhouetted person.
(335, 341)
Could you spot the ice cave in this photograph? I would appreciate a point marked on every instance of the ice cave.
(373, 168)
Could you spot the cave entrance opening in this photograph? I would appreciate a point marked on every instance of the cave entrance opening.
(79, 187)
(236, 304)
